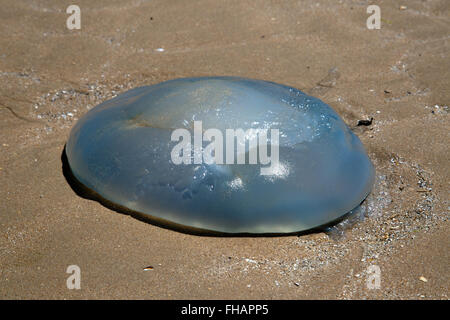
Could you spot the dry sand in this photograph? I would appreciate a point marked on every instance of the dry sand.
(399, 75)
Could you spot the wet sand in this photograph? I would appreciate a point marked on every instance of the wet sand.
(399, 76)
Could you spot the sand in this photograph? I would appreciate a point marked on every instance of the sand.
(399, 75)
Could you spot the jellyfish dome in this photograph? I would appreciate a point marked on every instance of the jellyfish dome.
(222, 154)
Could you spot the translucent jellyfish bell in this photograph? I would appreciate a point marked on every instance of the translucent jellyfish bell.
(127, 151)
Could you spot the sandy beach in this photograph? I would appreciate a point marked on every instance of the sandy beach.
(399, 75)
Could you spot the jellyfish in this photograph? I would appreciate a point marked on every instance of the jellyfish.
(225, 155)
